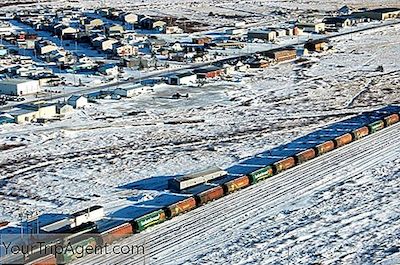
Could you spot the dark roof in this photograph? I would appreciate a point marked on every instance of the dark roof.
(384, 10)
(207, 69)
(329, 20)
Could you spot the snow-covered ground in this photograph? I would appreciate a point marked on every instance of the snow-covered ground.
(91, 157)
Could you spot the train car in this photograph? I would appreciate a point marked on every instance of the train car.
(236, 184)
(209, 195)
(324, 147)
(305, 155)
(376, 126)
(74, 250)
(343, 139)
(261, 174)
(46, 260)
(148, 220)
(391, 119)
(284, 164)
(113, 234)
(360, 132)
(180, 207)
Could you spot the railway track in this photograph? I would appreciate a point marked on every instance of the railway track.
(174, 240)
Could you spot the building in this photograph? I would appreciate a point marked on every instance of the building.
(23, 115)
(281, 54)
(184, 78)
(187, 181)
(19, 87)
(109, 69)
(125, 50)
(317, 45)
(267, 35)
(128, 92)
(337, 22)
(131, 18)
(63, 108)
(312, 27)
(380, 13)
(209, 72)
(77, 101)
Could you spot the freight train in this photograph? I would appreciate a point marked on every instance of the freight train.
(110, 231)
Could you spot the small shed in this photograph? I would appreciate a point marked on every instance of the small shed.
(77, 101)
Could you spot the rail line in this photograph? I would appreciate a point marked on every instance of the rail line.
(165, 237)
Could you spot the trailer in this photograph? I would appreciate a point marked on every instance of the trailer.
(187, 181)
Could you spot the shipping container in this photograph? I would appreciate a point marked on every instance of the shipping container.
(376, 126)
(305, 156)
(47, 260)
(261, 174)
(360, 132)
(147, 220)
(180, 207)
(392, 119)
(325, 147)
(113, 234)
(72, 251)
(284, 164)
(209, 195)
(236, 184)
(343, 139)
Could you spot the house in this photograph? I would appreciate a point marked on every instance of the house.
(337, 22)
(114, 31)
(123, 50)
(19, 87)
(131, 18)
(235, 32)
(173, 30)
(108, 45)
(77, 101)
(318, 27)
(345, 10)
(380, 13)
(317, 45)
(109, 69)
(267, 35)
(209, 72)
(183, 78)
(45, 47)
(128, 92)
(281, 54)
(159, 25)
(92, 23)
(69, 33)
(63, 108)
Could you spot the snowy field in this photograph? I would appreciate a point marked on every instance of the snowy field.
(94, 155)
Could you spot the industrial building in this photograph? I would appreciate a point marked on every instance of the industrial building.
(19, 87)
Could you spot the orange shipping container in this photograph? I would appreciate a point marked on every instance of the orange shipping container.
(361, 132)
(343, 139)
(392, 119)
(325, 147)
(117, 233)
(209, 195)
(236, 184)
(180, 207)
(305, 155)
(284, 164)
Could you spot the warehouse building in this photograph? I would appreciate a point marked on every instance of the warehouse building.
(19, 87)
(184, 78)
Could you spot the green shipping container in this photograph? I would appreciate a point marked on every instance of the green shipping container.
(261, 174)
(376, 126)
(150, 219)
(73, 251)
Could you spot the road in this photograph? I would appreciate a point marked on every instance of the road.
(191, 67)
(195, 233)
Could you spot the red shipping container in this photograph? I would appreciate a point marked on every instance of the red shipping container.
(209, 195)
(180, 207)
(360, 132)
(117, 233)
(325, 147)
(305, 155)
(392, 119)
(236, 184)
(343, 139)
(284, 164)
